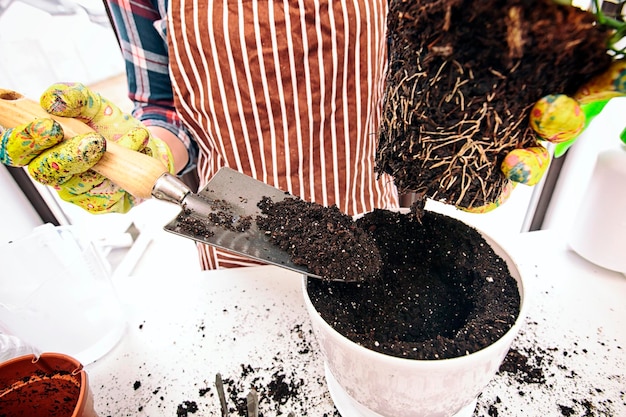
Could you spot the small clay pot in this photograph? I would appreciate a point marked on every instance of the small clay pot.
(53, 385)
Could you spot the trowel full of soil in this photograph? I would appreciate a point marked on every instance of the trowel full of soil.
(222, 214)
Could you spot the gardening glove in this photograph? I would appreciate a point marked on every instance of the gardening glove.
(507, 189)
(520, 166)
(65, 164)
(559, 119)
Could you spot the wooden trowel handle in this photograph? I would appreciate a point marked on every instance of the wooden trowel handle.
(134, 172)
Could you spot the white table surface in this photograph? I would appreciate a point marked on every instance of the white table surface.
(250, 325)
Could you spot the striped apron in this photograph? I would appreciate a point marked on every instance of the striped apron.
(287, 92)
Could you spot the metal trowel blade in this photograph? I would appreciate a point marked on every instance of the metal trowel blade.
(223, 214)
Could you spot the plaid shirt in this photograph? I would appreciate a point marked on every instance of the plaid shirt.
(140, 26)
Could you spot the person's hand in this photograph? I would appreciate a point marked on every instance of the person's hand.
(520, 166)
(65, 164)
(559, 119)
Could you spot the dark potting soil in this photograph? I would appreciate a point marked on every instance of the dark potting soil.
(44, 395)
(324, 239)
(463, 76)
(442, 291)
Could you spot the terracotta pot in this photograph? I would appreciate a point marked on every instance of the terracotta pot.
(365, 383)
(55, 385)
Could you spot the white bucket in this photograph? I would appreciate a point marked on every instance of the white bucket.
(56, 295)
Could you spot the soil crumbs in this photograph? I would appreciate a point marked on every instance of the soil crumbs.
(288, 380)
(560, 373)
(443, 291)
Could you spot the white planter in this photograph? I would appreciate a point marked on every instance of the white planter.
(599, 230)
(364, 383)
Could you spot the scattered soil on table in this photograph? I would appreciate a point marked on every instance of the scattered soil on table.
(325, 240)
(186, 408)
(286, 384)
(518, 365)
(463, 75)
(283, 392)
(558, 381)
(530, 369)
(279, 391)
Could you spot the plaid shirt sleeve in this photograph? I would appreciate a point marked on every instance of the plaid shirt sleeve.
(140, 26)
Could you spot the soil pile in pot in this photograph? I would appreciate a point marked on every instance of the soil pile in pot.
(41, 395)
(463, 75)
(442, 291)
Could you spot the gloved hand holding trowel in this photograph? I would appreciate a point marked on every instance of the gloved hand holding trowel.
(66, 165)
(90, 168)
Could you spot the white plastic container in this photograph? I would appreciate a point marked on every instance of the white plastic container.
(599, 230)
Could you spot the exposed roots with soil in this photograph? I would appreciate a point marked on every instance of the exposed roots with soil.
(462, 78)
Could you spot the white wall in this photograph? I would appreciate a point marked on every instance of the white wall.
(39, 49)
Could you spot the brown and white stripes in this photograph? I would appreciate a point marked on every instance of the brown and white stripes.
(287, 92)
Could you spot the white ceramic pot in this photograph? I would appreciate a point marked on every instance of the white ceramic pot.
(365, 383)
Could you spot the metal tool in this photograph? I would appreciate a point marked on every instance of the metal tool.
(233, 198)
(222, 214)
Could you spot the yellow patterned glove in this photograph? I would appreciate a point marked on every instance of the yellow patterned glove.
(520, 166)
(560, 119)
(65, 165)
